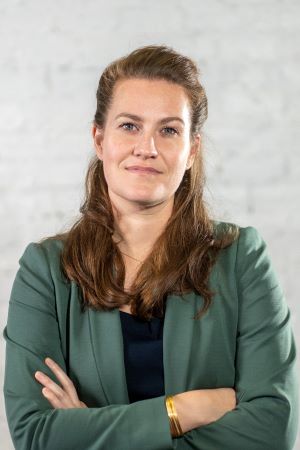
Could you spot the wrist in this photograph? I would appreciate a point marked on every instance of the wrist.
(191, 407)
(175, 426)
(186, 416)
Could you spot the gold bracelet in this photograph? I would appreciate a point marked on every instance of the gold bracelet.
(175, 427)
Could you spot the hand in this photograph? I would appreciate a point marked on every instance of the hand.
(220, 401)
(203, 406)
(60, 397)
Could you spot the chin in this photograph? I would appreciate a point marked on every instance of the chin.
(140, 198)
(145, 200)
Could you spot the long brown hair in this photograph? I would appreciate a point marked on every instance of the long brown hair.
(183, 255)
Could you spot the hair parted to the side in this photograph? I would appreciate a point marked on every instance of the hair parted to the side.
(184, 254)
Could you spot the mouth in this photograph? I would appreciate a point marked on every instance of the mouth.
(143, 170)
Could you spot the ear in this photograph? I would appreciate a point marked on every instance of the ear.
(195, 148)
(97, 135)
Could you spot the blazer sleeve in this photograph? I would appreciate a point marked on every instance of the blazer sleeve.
(32, 333)
(266, 383)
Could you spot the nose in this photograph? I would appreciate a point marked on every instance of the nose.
(146, 147)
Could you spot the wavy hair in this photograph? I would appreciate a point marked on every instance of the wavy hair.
(183, 255)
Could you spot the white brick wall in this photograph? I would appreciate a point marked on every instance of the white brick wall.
(51, 56)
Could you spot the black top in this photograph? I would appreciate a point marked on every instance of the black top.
(143, 356)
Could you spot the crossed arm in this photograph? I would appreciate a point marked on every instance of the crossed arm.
(195, 408)
(62, 396)
(265, 418)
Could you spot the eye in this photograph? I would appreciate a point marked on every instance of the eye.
(173, 130)
(126, 124)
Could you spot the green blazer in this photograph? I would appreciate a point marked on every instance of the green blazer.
(244, 341)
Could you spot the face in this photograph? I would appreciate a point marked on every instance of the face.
(145, 144)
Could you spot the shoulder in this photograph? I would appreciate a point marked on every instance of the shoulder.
(47, 249)
(43, 257)
(247, 261)
(248, 256)
(246, 236)
(247, 246)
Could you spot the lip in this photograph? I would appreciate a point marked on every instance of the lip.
(142, 169)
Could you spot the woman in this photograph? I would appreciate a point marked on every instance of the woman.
(148, 325)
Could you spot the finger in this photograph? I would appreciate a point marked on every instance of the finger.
(53, 393)
(53, 400)
(50, 385)
(65, 381)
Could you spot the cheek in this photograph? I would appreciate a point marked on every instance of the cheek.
(178, 164)
(114, 150)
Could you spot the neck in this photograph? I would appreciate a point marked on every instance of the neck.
(137, 228)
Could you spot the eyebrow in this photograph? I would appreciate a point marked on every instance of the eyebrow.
(139, 119)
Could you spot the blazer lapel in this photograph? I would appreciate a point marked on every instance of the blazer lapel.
(107, 342)
(177, 340)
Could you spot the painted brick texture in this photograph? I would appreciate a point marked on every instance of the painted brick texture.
(51, 57)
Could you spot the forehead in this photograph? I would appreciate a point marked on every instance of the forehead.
(139, 94)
